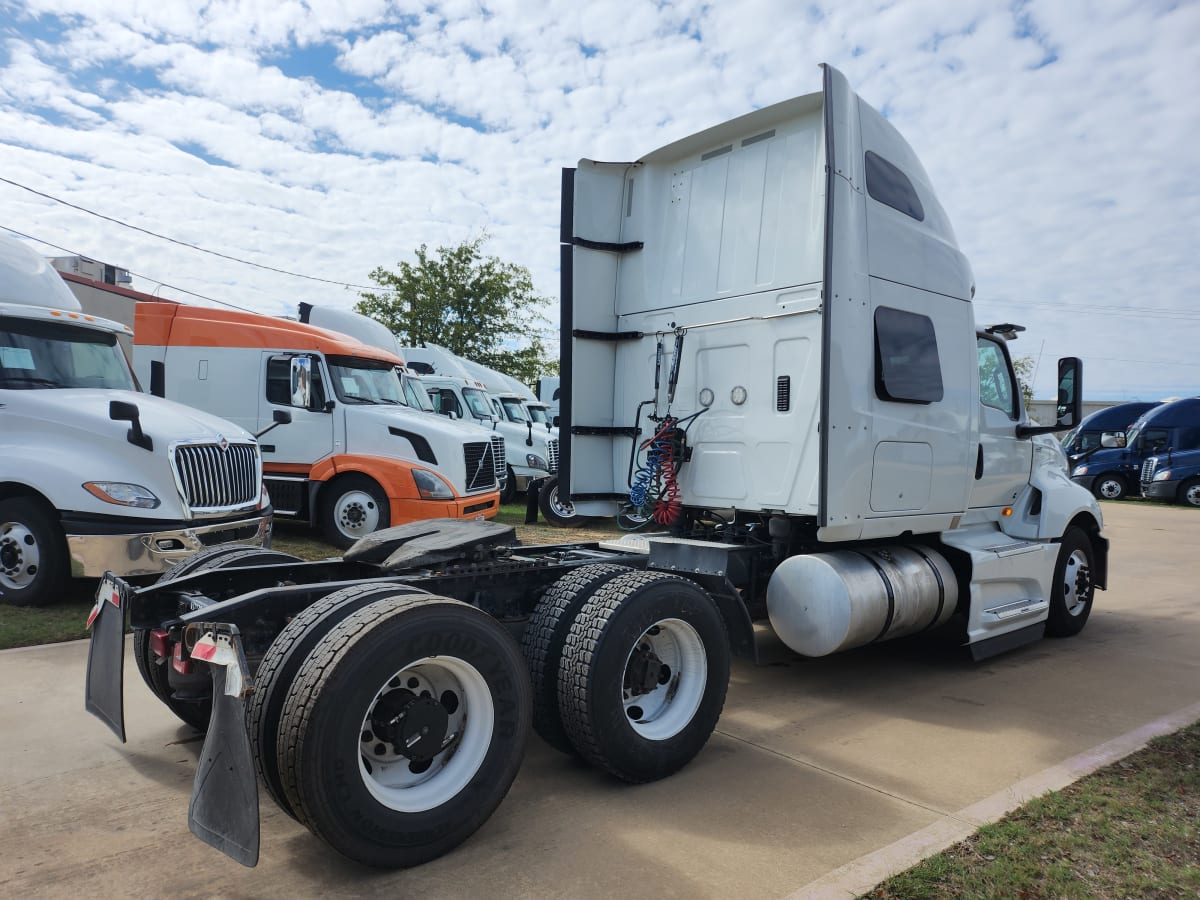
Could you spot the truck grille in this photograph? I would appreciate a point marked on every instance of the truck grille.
(481, 466)
(218, 479)
(552, 453)
(1148, 468)
(498, 457)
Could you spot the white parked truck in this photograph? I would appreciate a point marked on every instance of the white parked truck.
(488, 397)
(354, 457)
(95, 476)
(769, 339)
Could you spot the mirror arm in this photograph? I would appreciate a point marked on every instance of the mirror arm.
(1024, 431)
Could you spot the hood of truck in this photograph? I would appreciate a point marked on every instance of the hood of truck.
(86, 409)
(404, 433)
(55, 440)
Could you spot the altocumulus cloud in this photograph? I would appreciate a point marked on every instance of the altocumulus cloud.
(332, 137)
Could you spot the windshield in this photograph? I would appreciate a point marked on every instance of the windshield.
(37, 354)
(477, 400)
(417, 396)
(538, 414)
(1131, 435)
(514, 410)
(365, 381)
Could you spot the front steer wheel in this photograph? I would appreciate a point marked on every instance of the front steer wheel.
(1074, 587)
(557, 510)
(643, 675)
(33, 553)
(404, 729)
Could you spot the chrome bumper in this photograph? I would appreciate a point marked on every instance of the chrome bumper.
(150, 554)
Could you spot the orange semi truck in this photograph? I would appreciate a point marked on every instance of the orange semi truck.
(353, 457)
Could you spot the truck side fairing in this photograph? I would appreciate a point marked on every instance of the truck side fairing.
(744, 224)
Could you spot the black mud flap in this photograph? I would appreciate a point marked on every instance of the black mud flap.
(224, 808)
(104, 691)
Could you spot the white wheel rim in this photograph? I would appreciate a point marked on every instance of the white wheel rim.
(20, 558)
(1192, 496)
(1077, 582)
(562, 510)
(1110, 488)
(408, 785)
(666, 709)
(356, 513)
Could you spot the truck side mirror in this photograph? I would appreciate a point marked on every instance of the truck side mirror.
(1112, 440)
(1070, 399)
(300, 370)
(158, 378)
(1070, 391)
(278, 417)
(122, 411)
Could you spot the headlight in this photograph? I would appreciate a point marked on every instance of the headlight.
(536, 462)
(122, 494)
(430, 487)
(264, 498)
(1164, 475)
(1080, 470)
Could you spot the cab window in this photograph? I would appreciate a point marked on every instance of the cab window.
(1155, 440)
(996, 385)
(279, 382)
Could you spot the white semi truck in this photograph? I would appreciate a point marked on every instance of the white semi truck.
(488, 397)
(95, 476)
(769, 336)
(354, 457)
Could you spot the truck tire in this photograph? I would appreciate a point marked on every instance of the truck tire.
(34, 566)
(1189, 492)
(352, 506)
(1073, 590)
(557, 511)
(509, 494)
(439, 679)
(154, 670)
(281, 663)
(544, 638)
(1109, 486)
(630, 518)
(644, 675)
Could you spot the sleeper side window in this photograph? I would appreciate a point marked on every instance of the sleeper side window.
(907, 367)
(891, 187)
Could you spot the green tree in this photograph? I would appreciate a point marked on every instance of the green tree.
(477, 306)
(1024, 366)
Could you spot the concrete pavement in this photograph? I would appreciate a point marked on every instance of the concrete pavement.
(814, 765)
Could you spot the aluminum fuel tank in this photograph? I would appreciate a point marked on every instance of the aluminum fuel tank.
(823, 603)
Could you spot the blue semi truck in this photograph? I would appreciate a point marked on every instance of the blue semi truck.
(1166, 431)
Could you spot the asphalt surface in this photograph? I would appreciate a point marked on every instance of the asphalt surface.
(814, 764)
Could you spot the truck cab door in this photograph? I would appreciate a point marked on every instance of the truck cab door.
(1003, 461)
(310, 436)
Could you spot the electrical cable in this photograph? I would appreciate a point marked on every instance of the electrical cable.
(190, 246)
(130, 271)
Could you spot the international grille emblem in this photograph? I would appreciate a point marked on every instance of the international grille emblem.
(222, 442)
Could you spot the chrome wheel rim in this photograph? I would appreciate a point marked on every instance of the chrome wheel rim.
(20, 557)
(1077, 583)
(561, 508)
(425, 734)
(665, 675)
(1192, 495)
(356, 513)
(1110, 489)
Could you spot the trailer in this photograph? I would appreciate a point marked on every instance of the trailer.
(769, 350)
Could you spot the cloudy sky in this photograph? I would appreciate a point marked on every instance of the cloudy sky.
(331, 136)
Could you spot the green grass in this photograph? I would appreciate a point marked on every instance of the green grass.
(20, 627)
(1131, 829)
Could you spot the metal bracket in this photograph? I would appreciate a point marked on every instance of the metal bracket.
(607, 246)
(584, 334)
(606, 431)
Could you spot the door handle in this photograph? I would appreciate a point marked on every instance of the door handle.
(979, 463)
